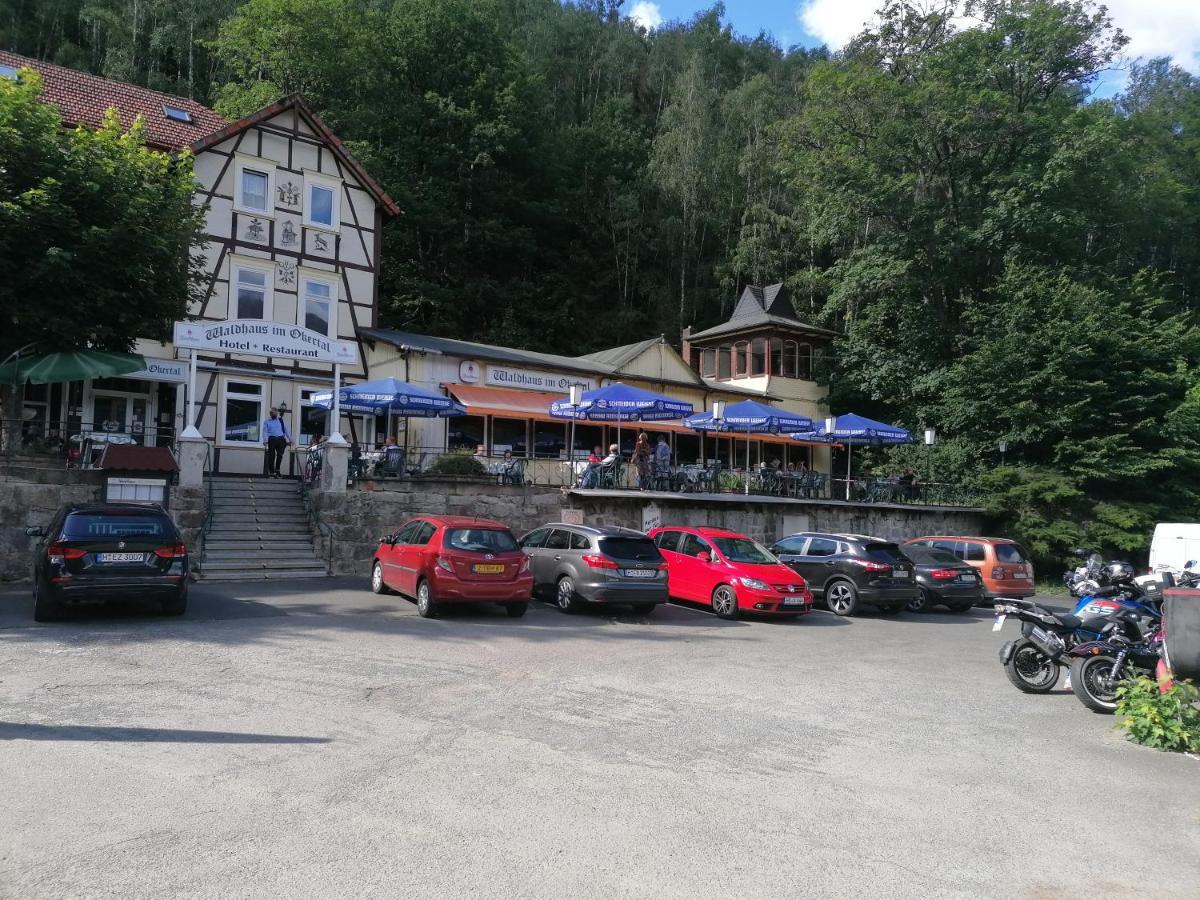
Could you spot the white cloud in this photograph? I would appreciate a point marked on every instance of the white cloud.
(647, 15)
(1155, 27)
(1160, 28)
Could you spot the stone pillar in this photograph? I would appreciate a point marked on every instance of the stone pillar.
(192, 454)
(335, 468)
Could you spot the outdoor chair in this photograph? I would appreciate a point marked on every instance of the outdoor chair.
(611, 475)
(773, 482)
(513, 472)
(392, 464)
(660, 476)
(418, 467)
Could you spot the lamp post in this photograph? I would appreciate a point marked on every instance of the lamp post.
(930, 440)
(575, 397)
(1003, 450)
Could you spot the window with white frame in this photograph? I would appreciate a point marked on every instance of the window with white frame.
(321, 207)
(318, 304)
(242, 412)
(314, 421)
(251, 287)
(254, 185)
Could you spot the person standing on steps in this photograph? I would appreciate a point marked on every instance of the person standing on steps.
(276, 439)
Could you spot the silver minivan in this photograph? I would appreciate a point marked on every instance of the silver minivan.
(577, 564)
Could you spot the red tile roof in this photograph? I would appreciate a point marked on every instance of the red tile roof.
(83, 99)
(135, 458)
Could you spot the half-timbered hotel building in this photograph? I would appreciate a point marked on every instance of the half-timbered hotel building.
(293, 237)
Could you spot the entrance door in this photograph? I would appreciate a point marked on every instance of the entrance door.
(119, 413)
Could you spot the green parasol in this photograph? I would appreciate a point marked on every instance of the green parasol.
(73, 365)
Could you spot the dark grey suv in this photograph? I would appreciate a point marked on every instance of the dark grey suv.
(847, 570)
(577, 564)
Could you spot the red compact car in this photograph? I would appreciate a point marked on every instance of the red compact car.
(453, 559)
(729, 571)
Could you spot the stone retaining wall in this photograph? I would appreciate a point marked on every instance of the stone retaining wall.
(31, 497)
(359, 517)
(25, 502)
(768, 519)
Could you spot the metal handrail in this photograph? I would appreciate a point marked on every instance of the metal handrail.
(206, 476)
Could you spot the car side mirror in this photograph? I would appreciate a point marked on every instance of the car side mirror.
(704, 556)
(35, 531)
(388, 539)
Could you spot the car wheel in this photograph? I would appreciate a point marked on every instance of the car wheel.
(426, 605)
(921, 603)
(842, 598)
(377, 584)
(644, 609)
(177, 605)
(566, 598)
(44, 609)
(724, 602)
(515, 610)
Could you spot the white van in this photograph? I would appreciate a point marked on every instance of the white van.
(1174, 545)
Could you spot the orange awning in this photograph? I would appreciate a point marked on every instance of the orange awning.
(509, 402)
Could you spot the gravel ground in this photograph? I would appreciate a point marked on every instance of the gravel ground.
(311, 739)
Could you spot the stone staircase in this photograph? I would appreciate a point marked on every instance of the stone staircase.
(259, 529)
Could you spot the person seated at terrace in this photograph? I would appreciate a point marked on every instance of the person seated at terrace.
(594, 456)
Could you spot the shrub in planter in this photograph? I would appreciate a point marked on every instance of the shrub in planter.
(1163, 720)
(457, 464)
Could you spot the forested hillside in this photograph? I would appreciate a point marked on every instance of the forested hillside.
(1008, 258)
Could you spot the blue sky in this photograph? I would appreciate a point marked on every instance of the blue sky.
(1155, 27)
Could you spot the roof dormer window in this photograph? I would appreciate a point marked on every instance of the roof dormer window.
(177, 114)
(9, 72)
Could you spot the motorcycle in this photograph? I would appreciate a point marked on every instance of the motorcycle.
(1032, 662)
(1124, 651)
(1084, 580)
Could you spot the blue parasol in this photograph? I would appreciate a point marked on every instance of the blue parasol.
(619, 402)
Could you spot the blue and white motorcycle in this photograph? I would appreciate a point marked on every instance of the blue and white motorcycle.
(1032, 661)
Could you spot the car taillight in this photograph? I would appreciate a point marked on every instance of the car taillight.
(598, 562)
(997, 572)
(943, 574)
(872, 566)
(59, 552)
(443, 563)
(175, 552)
(524, 566)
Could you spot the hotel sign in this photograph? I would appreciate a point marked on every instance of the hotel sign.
(161, 370)
(530, 380)
(258, 337)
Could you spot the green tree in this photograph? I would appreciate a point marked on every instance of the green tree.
(97, 232)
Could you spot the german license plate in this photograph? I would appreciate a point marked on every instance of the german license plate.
(640, 573)
(119, 557)
(901, 573)
(793, 601)
(487, 568)
(999, 623)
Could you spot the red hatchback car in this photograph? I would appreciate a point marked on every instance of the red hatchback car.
(730, 572)
(453, 559)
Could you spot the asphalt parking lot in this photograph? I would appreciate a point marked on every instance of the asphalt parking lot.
(312, 739)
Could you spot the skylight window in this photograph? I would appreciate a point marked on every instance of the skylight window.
(9, 72)
(179, 115)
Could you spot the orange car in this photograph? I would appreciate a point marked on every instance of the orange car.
(1004, 567)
